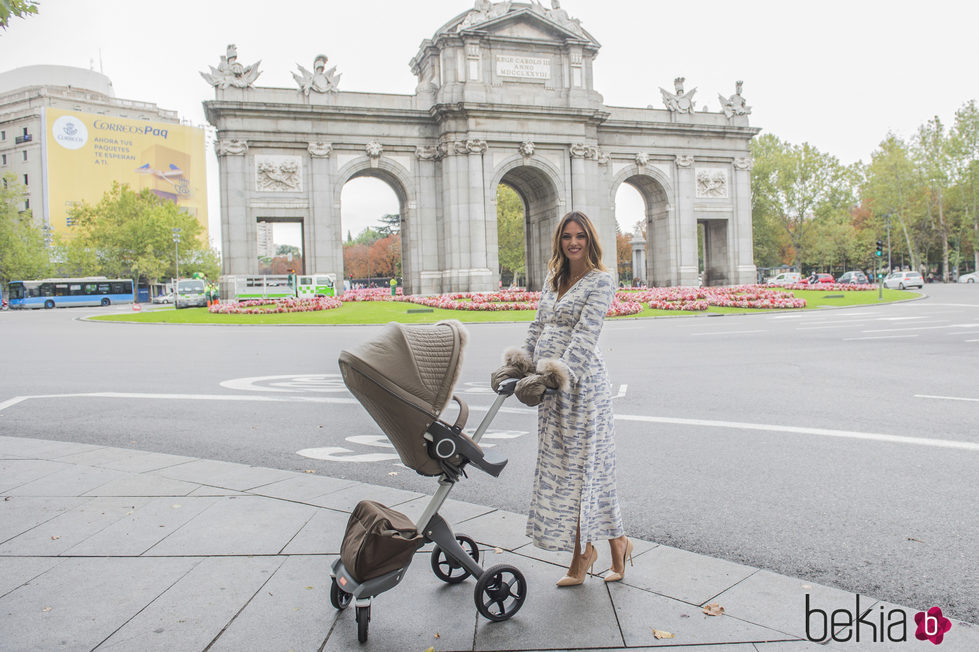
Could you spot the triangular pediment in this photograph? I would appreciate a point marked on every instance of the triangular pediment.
(522, 23)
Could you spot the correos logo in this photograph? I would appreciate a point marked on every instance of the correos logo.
(69, 132)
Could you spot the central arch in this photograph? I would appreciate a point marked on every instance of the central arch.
(537, 185)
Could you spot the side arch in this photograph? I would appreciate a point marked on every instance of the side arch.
(400, 180)
(541, 187)
(656, 190)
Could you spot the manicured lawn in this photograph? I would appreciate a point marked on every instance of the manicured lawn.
(381, 312)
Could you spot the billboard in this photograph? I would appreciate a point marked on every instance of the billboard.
(85, 152)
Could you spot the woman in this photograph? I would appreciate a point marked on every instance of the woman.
(574, 496)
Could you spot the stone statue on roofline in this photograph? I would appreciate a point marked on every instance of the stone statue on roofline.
(734, 105)
(679, 102)
(482, 11)
(557, 15)
(320, 80)
(231, 73)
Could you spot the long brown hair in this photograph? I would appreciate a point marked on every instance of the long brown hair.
(559, 266)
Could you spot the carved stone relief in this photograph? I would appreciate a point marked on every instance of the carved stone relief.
(642, 159)
(744, 163)
(232, 147)
(711, 183)
(320, 150)
(278, 174)
(526, 148)
(684, 161)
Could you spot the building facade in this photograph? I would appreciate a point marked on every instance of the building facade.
(506, 95)
(25, 92)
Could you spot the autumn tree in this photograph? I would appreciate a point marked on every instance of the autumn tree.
(510, 235)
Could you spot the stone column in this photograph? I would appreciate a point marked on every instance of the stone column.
(421, 235)
(238, 241)
(323, 246)
(684, 266)
(744, 267)
(480, 276)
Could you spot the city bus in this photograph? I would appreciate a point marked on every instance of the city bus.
(64, 292)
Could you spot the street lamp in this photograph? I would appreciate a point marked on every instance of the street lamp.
(176, 262)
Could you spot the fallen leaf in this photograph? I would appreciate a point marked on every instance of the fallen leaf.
(309, 471)
(46, 609)
(431, 649)
(392, 473)
(713, 609)
(915, 540)
(498, 551)
(437, 635)
(684, 615)
(6, 498)
(176, 506)
(55, 537)
(309, 588)
(807, 586)
(659, 633)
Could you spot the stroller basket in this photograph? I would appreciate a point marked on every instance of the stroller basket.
(404, 379)
(378, 540)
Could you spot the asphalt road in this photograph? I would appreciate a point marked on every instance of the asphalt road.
(840, 446)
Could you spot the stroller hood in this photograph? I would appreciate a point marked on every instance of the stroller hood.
(404, 379)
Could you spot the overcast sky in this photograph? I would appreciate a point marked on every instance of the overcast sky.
(836, 74)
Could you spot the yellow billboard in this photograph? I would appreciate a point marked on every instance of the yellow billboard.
(85, 152)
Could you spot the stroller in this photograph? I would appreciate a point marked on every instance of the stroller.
(404, 379)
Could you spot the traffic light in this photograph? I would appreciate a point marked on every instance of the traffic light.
(880, 248)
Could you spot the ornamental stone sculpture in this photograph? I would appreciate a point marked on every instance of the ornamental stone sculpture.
(427, 152)
(320, 80)
(734, 105)
(684, 161)
(711, 183)
(231, 73)
(278, 173)
(318, 149)
(642, 159)
(557, 15)
(482, 11)
(526, 148)
(232, 147)
(678, 102)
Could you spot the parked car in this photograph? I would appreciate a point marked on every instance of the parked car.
(856, 277)
(903, 280)
(786, 278)
(163, 298)
(820, 278)
(969, 278)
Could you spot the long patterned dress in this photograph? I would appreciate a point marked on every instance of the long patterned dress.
(575, 473)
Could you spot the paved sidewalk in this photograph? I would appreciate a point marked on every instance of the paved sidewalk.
(108, 548)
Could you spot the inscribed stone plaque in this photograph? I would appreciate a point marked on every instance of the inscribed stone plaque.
(537, 68)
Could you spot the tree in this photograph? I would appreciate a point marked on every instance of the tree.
(130, 234)
(965, 151)
(390, 224)
(933, 153)
(23, 251)
(16, 8)
(510, 235)
(792, 185)
(285, 250)
(623, 253)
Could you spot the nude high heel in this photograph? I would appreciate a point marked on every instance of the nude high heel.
(616, 577)
(589, 567)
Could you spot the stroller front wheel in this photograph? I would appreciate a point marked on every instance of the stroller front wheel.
(363, 618)
(448, 569)
(500, 592)
(339, 598)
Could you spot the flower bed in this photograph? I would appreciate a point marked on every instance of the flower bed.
(372, 294)
(832, 287)
(508, 300)
(274, 306)
(699, 299)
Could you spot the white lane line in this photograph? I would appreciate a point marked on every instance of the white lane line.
(948, 398)
(902, 318)
(816, 328)
(972, 340)
(877, 337)
(185, 397)
(730, 332)
(822, 432)
(912, 328)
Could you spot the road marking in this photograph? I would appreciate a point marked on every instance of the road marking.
(289, 383)
(824, 432)
(902, 318)
(816, 328)
(948, 398)
(877, 337)
(730, 332)
(911, 328)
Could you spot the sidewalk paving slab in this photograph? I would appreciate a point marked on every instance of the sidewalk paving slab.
(23, 513)
(193, 612)
(17, 472)
(303, 487)
(71, 480)
(144, 485)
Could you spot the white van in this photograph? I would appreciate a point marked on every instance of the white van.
(786, 278)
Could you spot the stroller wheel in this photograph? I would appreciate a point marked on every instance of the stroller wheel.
(500, 592)
(363, 618)
(448, 569)
(339, 598)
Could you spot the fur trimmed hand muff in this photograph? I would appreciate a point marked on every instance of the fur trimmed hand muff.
(516, 364)
(554, 373)
(530, 390)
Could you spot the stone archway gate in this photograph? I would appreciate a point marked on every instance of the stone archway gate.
(505, 94)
